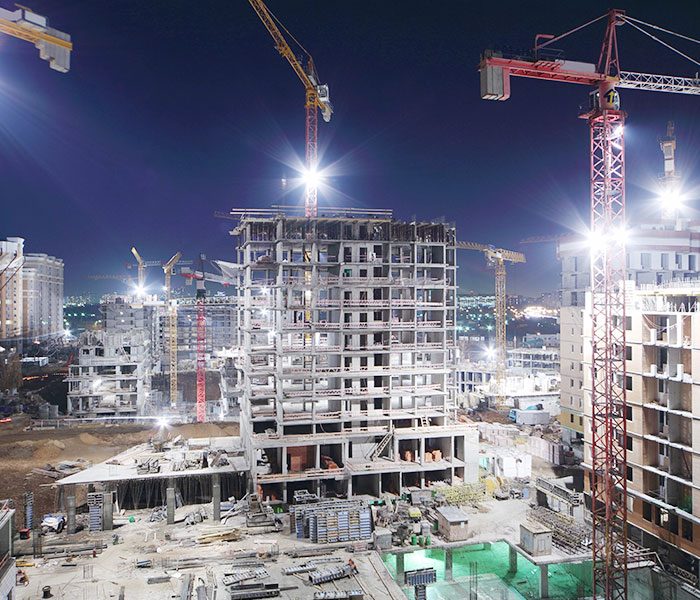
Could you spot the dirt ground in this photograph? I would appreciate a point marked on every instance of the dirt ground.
(21, 451)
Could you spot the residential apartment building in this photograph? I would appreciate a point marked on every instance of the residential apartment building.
(31, 294)
(43, 296)
(663, 418)
(657, 253)
(348, 346)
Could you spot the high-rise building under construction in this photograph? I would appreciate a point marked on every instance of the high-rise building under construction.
(347, 325)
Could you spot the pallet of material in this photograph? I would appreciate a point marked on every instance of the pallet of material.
(225, 536)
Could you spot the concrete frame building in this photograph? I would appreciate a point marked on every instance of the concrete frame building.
(348, 338)
(111, 377)
(11, 290)
(657, 253)
(43, 296)
(663, 419)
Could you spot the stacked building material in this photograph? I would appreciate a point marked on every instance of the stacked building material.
(332, 521)
(94, 502)
(568, 534)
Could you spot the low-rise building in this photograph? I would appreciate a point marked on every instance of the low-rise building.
(111, 376)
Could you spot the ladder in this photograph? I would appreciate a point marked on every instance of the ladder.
(424, 421)
(379, 448)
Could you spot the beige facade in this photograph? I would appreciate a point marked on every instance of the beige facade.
(43, 296)
(663, 418)
(657, 253)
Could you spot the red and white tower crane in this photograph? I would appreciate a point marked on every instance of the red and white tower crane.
(607, 188)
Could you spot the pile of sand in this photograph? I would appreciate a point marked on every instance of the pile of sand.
(204, 430)
(18, 451)
(89, 440)
(49, 450)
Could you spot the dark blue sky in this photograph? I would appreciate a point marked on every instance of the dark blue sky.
(175, 109)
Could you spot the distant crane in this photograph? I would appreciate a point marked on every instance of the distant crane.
(172, 325)
(317, 97)
(201, 301)
(53, 45)
(497, 258)
(608, 226)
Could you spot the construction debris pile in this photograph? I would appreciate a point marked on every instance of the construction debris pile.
(569, 535)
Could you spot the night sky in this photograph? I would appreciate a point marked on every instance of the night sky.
(173, 110)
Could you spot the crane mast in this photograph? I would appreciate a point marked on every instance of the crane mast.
(317, 98)
(172, 326)
(608, 467)
(496, 258)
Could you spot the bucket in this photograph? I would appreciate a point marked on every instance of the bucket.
(414, 540)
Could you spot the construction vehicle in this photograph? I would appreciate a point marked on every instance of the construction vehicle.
(317, 98)
(496, 258)
(606, 122)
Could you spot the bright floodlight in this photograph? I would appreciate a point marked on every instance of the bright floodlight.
(671, 199)
(490, 353)
(140, 291)
(67, 332)
(312, 177)
(162, 422)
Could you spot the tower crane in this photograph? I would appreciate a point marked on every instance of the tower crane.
(497, 258)
(317, 98)
(54, 46)
(607, 188)
(201, 301)
(172, 325)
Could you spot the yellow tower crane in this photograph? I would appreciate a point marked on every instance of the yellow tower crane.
(317, 98)
(497, 258)
(172, 326)
(53, 45)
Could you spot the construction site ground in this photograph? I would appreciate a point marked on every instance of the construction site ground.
(22, 450)
(114, 567)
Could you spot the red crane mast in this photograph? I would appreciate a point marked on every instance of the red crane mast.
(608, 465)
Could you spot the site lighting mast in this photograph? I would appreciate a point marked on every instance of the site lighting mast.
(607, 187)
(497, 258)
(317, 98)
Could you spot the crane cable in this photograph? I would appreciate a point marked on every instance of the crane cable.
(653, 37)
(296, 41)
(563, 35)
(680, 35)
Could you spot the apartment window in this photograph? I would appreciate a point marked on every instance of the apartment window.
(679, 261)
(377, 271)
(571, 417)
(628, 323)
(646, 511)
(645, 258)
(629, 442)
(664, 260)
(630, 474)
(580, 421)
(628, 382)
(687, 530)
(628, 413)
(692, 262)
(628, 352)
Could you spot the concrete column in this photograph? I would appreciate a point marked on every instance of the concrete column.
(544, 582)
(107, 512)
(400, 568)
(170, 504)
(513, 556)
(70, 510)
(216, 497)
(448, 564)
(350, 486)
(284, 459)
(421, 451)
